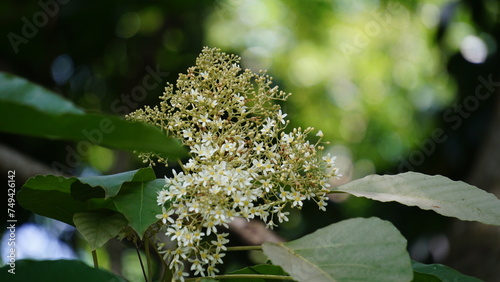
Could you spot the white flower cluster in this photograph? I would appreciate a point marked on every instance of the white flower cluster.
(242, 162)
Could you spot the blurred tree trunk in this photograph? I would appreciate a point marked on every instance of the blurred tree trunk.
(475, 247)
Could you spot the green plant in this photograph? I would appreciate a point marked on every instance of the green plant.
(242, 163)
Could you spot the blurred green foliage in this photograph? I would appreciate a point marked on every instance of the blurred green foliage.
(368, 75)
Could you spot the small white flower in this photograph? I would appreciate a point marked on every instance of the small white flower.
(162, 197)
(218, 257)
(190, 164)
(329, 159)
(239, 99)
(207, 138)
(219, 123)
(307, 166)
(205, 256)
(281, 117)
(267, 185)
(228, 146)
(180, 275)
(165, 216)
(211, 226)
(268, 167)
(258, 147)
(204, 151)
(204, 120)
(259, 164)
(322, 203)
(176, 233)
(324, 184)
(287, 138)
(211, 270)
(282, 216)
(193, 206)
(213, 103)
(196, 265)
(188, 134)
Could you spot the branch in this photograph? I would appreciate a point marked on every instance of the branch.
(25, 166)
(253, 232)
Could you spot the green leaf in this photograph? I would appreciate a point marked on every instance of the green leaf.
(421, 277)
(60, 197)
(47, 196)
(56, 270)
(112, 183)
(98, 227)
(438, 272)
(42, 113)
(19, 91)
(137, 201)
(437, 193)
(267, 269)
(352, 250)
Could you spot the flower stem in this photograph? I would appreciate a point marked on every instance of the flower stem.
(244, 248)
(149, 259)
(140, 260)
(94, 257)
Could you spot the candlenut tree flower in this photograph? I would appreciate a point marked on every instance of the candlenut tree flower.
(242, 164)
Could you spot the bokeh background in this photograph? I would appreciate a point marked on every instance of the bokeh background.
(394, 85)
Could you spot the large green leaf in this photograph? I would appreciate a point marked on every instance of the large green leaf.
(56, 270)
(35, 111)
(137, 202)
(438, 273)
(50, 196)
(98, 227)
(437, 193)
(352, 250)
(60, 197)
